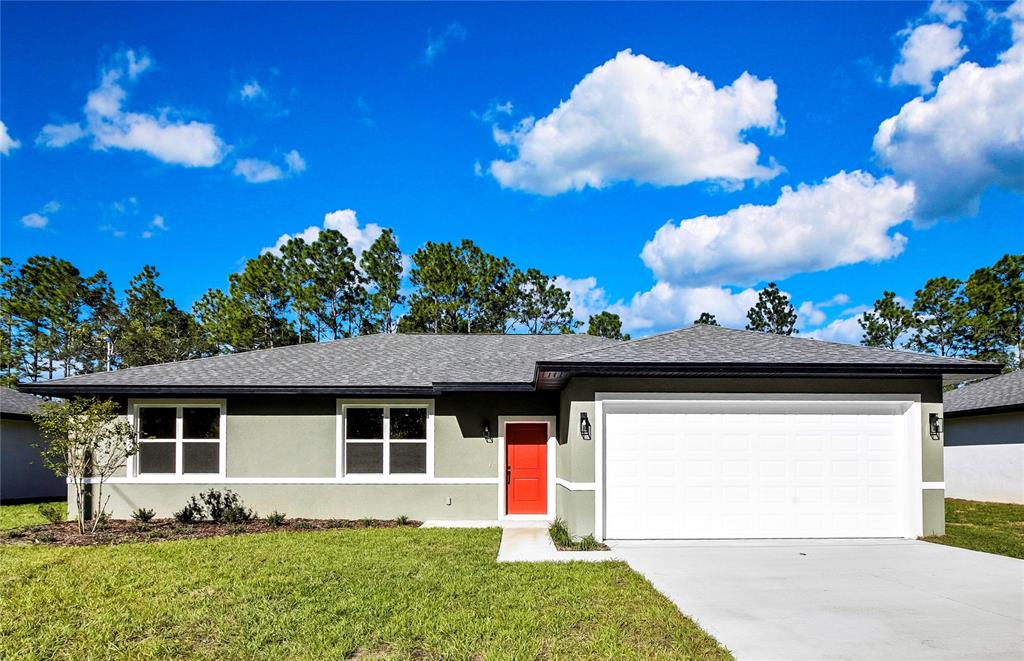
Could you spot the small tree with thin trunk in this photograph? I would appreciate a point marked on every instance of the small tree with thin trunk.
(85, 438)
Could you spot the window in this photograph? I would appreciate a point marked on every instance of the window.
(179, 439)
(385, 439)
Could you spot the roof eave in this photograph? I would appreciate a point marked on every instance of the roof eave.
(559, 371)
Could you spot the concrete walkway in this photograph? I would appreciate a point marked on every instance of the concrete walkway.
(530, 542)
(849, 599)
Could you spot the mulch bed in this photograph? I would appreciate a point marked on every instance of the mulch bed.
(161, 530)
(563, 547)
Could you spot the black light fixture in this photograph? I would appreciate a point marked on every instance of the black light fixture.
(487, 431)
(934, 425)
(584, 426)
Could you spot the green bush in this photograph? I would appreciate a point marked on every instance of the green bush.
(402, 520)
(143, 515)
(53, 512)
(235, 514)
(367, 522)
(302, 525)
(588, 543)
(45, 537)
(275, 519)
(192, 511)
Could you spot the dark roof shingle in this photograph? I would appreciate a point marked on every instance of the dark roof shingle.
(17, 403)
(1000, 392)
(367, 361)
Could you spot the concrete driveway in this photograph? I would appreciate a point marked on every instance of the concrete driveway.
(849, 599)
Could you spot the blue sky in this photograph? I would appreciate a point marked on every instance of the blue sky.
(642, 152)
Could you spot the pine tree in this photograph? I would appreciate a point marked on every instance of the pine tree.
(886, 324)
(705, 319)
(382, 264)
(606, 324)
(773, 313)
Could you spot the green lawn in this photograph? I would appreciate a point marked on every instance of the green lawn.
(990, 527)
(375, 593)
(18, 516)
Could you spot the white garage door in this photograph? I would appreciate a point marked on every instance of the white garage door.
(702, 470)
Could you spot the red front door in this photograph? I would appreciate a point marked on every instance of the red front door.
(526, 469)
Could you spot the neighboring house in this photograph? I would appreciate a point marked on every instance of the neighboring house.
(23, 478)
(985, 440)
(704, 432)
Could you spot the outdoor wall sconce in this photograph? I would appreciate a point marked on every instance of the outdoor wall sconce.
(934, 425)
(584, 426)
(487, 431)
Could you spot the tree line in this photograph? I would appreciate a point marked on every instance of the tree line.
(57, 321)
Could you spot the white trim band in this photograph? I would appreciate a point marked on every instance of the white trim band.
(933, 485)
(297, 480)
(576, 486)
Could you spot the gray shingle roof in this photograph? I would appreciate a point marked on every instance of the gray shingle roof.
(17, 403)
(1004, 391)
(718, 345)
(368, 361)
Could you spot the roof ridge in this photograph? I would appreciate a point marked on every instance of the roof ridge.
(621, 343)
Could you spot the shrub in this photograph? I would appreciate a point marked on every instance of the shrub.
(275, 519)
(302, 525)
(402, 520)
(53, 512)
(235, 529)
(158, 534)
(45, 537)
(560, 533)
(367, 522)
(14, 534)
(236, 514)
(180, 529)
(143, 515)
(190, 512)
(216, 503)
(588, 543)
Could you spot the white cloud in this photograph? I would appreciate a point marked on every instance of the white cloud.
(811, 313)
(294, 161)
(40, 219)
(35, 220)
(633, 118)
(159, 223)
(163, 136)
(843, 220)
(967, 137)
(252, 90)
(147, 234)
(7, 143)
(948, 11)
(661, 306)
(846, 330)
(439, 43)
(929, 49)
(60, 135)
(342, 220)
(257, 171)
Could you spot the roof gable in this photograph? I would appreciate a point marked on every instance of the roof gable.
(1004, 392)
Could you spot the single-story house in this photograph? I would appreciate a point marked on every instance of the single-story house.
(23, 477)
(985, 439)
(704, 432)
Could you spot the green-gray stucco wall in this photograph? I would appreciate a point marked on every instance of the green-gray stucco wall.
(277, 437)
(350, 501)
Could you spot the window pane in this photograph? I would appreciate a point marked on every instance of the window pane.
(156, 457)
(200, 457)
(364, 423)
(408, 457)
(200, 422)
(364, 458)
(408, 424)
(157, 422)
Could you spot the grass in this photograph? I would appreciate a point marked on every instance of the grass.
(19, 516)
(989, 527)
(379, 593)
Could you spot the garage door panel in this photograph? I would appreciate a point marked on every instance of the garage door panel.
(734, 475)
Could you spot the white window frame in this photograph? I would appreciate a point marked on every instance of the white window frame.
(343, 406)
(178, 405)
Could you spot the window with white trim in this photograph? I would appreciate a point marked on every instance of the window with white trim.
(386, 439)
(180, 439)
